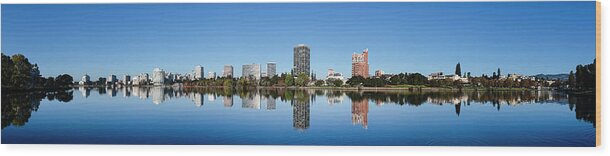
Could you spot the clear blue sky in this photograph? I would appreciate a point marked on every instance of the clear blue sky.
(102, 39)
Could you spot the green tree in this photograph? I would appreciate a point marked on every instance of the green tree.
(356, 80)
(289, 80)
(302, 79)
(7, 70)
(21, 75)
(571, 79)
(243, 82)
(458, 70)
(64, 80)
(319, 83)
(334, 82)
(228, 83)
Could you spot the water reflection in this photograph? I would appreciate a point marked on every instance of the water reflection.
(360, 111)
(300, 110)
(17, 107)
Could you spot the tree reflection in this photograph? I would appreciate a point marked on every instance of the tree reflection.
(17, 108)
(584, 106)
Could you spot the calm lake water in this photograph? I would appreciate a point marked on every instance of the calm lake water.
(297, 117)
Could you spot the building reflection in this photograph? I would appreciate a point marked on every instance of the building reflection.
(85, 91)
(158, 94)
(300, 110)
(270, 103)
(227, 101)
(301, 100)
(197, 98)
(251, 100)
(111, 91)
(126, 91)
(360, 111)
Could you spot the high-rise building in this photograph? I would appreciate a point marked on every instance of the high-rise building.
(111, 80)
(126, 79)
(271, 69)
(227, 71)
(252, 70)
(360, 64)
(198, 72)
(158, 77)
(301, 60)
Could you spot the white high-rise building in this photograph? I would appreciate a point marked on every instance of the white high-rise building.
(271, 66)
(227, 71)
(198, 72)
(111, 79)
(158, 77)
(126, 79)
(252, 70)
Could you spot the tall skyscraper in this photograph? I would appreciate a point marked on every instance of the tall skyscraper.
(301, 60)
(271, 69)
(227, 71)
(252, 70)
(127, 79)
(360, 64)
(198, 72)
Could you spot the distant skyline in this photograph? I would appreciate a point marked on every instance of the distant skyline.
(102, 39)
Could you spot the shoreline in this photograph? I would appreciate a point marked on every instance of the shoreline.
(389, 88)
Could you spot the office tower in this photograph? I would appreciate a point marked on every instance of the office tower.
(252, 71)
(271, 69)
(360, 64)
(301, 60)
(227, 71)
(111, 80)
(127, 80)
(158, 77)
(198, 72)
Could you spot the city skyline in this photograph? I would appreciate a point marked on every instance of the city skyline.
(401, 37)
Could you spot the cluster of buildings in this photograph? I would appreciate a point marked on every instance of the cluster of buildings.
(301, 65)
(441, 76)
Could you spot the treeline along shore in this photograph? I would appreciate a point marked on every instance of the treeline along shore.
(18, 74)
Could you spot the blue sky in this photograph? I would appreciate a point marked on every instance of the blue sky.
(102, 39)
